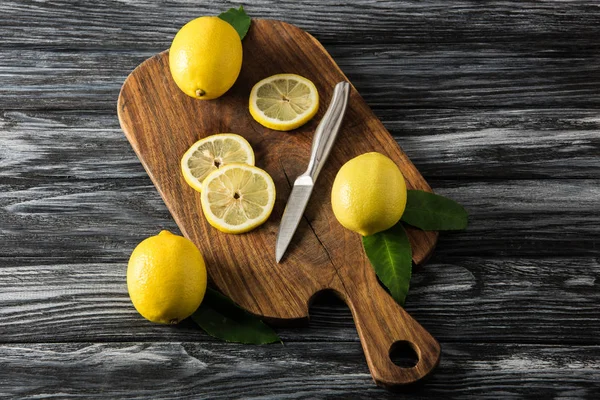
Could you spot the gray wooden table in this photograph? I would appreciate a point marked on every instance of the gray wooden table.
(497, 103)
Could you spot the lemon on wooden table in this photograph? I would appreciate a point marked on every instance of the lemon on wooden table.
(166, 278)
(369, 194)
(205, 57)
(237, 198)
(284, 102)
(214, 152)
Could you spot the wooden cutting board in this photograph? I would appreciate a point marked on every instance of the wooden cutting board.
(161, 123)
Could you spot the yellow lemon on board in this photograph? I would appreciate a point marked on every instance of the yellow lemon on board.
(369, 194)
(284, 102)
(212, 153)
(205, 57)
(237, 198)
(166, 278)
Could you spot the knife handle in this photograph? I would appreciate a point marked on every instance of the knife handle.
(328, 130)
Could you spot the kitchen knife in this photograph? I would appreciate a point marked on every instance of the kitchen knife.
(325, 135)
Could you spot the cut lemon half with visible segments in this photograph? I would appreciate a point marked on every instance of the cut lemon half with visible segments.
(284, 102)
(212, 153)
(237, 198)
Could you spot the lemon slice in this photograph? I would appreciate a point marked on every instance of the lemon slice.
(237, 198)
(284, 102)
(212, 153)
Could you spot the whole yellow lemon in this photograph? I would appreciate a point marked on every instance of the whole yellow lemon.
(205, 57)
(369, 194)
(166, 278)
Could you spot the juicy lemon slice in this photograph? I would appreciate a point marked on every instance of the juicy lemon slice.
(212, 153)
(284, 102)
(237, 198)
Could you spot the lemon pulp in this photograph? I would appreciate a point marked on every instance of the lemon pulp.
(212, 153)
(237, 198)
(284, 101)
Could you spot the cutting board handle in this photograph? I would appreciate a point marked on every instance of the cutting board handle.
(383, 326)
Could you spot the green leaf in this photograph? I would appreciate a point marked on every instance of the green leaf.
(391, 256)
(431, 212)
(222, 318)
(238, 19)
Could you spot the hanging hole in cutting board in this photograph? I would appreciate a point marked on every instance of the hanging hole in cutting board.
(403, 354)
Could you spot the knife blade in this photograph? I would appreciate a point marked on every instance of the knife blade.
(325, 136)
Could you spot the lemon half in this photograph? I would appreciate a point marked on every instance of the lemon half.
(284, 102)
(212, 153)
(237, 198)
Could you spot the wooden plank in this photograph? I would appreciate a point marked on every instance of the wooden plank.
(105, 219)
(297, 370)
(475, 93)
(515, 144)
(443, 144)
(53, 146)
(144, 24)
(553, 74)
(458, 299)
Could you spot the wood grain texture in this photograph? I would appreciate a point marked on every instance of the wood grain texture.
(134, 24)
(390, 77)
(495, 102)
(161, 123)
(295, 371)
(449, 144)
(458, 299)
(106, 218)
